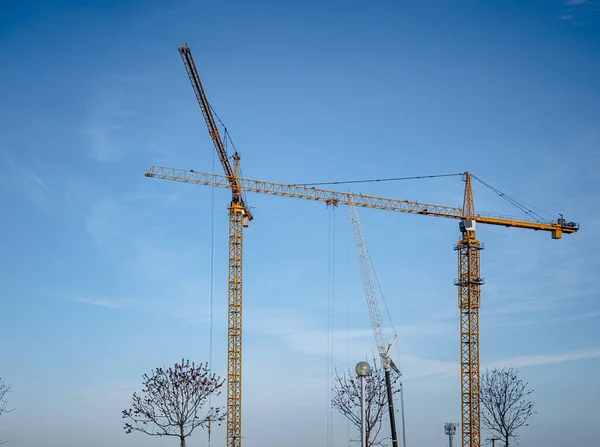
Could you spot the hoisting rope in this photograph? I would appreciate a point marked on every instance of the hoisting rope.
(226, 138)
(212, 286)
(393, 179)
(330, 321)
(520, 204)
(226, 134)
(348, 326)
(381, 292)
(523, 206)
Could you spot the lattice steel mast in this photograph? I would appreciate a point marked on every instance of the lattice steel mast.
(469, 283)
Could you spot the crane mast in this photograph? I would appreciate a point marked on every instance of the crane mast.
(469, 292)
(364, 262)
(239, 217)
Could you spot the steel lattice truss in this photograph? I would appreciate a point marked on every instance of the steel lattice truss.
(234, 356)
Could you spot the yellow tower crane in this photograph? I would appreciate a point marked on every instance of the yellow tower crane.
(239, 217)
(468, 282)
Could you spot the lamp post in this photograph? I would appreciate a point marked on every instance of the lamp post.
(363, 369)
(450, 430)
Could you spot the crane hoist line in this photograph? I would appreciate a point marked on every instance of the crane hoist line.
(468, 247)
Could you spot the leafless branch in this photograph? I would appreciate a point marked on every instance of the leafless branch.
(346, 400)
(171, 400)
(505, 404)
(5, 388)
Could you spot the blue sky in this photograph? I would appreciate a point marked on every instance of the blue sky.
(106, 274)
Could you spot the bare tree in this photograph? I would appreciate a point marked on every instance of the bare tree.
(505, 404)
(171, 400)
(4, 390)
(346, 400)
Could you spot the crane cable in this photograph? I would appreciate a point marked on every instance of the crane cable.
(330, 321)
(226, 138)
(348, 325)
(523, 206)
(224, 128)
(520, 204)
(212, 284)
(381, 291)
(392, 179)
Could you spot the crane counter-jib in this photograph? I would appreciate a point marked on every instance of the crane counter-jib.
(346, 198)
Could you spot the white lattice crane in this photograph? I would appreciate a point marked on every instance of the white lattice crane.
(366, 274)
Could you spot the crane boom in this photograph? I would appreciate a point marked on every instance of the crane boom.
(364, 263)
(190, 66)
(362, 200)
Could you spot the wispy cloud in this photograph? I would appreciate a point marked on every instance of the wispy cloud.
(303, 333)
(415, 367)
(112, 123)
(511, 322)
(572, 7)
(26, 180)
(578, 317)
(546, 359)
(104, 125)
(184, 305)
(111, 114)
(98, 303)
(134, 233)
(120, 230)
(306, 335)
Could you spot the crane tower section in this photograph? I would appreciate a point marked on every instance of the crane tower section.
(469, 284)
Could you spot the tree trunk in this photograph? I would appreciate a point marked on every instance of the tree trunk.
(181, 436)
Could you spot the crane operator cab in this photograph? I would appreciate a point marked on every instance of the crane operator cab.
(466, 225)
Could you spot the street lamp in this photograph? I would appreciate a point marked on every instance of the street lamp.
(450, 430)
(363, 370)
